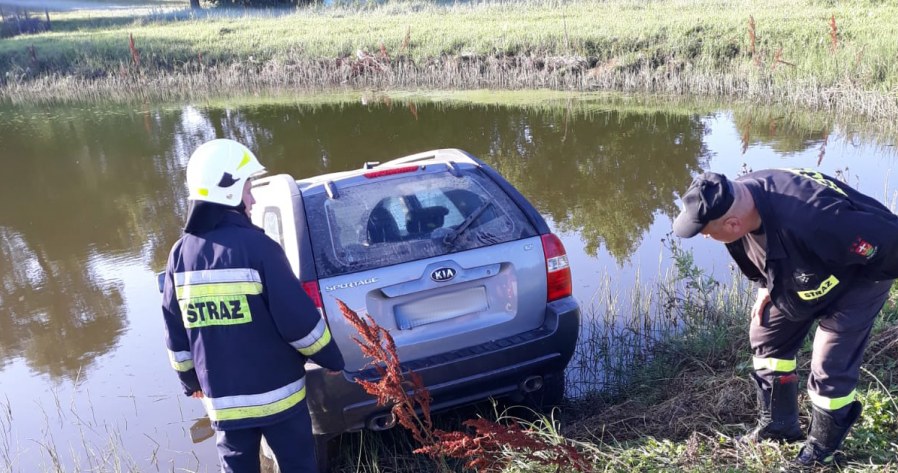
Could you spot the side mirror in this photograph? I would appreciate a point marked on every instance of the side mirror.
(160, 280)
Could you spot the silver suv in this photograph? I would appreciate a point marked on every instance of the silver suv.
(444, 253)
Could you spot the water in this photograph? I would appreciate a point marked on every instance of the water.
(94, 198)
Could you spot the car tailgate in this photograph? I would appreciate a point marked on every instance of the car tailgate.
(444, 303)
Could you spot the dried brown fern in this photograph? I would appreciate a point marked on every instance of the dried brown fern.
(392, 388)
(407, 40)
(833, 33)
(752, 39)
(135, 53)
(484, 445)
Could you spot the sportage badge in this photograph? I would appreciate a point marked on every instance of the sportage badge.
(442, 274)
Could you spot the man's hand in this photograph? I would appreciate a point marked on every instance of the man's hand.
(760, 303)
(197, 395)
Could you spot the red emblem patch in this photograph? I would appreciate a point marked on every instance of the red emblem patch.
(863, 248)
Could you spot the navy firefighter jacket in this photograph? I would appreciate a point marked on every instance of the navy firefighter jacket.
(822, 237)
(239, 326)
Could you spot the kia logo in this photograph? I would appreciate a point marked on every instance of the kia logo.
(442, 274)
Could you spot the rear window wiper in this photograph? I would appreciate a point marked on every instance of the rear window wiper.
(453, 235)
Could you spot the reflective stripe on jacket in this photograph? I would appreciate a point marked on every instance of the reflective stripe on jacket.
(239, 326)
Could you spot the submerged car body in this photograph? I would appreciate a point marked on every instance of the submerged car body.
(444, 253)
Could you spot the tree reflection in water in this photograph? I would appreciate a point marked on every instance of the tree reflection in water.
(101, 184)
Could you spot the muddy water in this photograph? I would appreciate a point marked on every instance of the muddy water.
(94, 198)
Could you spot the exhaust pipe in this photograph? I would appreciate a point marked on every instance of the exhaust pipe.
(382, 422)
(531, 384)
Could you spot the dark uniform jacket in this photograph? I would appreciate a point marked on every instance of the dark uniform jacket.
(822, 236)
(239, 326)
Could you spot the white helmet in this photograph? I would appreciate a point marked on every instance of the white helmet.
(217, 170)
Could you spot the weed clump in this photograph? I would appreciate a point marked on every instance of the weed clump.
(485, 445)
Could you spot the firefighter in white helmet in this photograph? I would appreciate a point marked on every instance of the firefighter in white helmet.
(239, 327)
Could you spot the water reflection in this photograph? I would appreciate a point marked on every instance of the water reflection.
(784, 134)
(603, 174)
(605, 177)
(94, 199)
(94, 183)
(86, 186)
(57, 315)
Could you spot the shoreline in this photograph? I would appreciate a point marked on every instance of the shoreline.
(450, 74)
(831, 58)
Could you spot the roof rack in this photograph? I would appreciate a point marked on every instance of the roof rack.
(442, 155)
(331, 190)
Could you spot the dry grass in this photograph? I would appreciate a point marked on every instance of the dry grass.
(697, 403)
(532, 71)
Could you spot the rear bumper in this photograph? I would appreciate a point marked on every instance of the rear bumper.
(495, 369)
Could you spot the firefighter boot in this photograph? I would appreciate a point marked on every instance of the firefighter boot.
(828, 430)
(777, 412)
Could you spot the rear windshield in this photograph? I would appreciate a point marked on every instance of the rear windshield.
(401, 218)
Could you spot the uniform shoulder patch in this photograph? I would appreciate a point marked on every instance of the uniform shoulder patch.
(863, 248)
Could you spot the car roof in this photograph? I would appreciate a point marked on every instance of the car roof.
(447, 156)
(449, 160)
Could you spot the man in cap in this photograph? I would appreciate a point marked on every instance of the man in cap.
(818, 250)
(239, 327)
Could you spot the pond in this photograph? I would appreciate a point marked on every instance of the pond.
(95, 198)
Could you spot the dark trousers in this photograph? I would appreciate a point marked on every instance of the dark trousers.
(839, 342)
(291, 441)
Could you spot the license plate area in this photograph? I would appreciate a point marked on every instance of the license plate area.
(440, 307)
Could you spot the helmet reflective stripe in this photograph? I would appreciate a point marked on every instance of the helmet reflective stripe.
(315, 340)
(246, 160)
(181, 360)
(218, 170)
(832, 403)
(774, 364)
(249, 406)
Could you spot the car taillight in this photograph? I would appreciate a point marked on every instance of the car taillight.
(311, 288)
(390, 172)
(558, 271)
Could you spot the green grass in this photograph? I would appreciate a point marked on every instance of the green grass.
(617, 30)
(681, 406)
(676, 390)
(699, 47)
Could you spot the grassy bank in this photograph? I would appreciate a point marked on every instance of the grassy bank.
(675, 369)
(810, 53)
(681, 406)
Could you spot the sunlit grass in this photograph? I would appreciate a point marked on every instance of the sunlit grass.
(809, 53)
(605, 30)
(670, 388)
